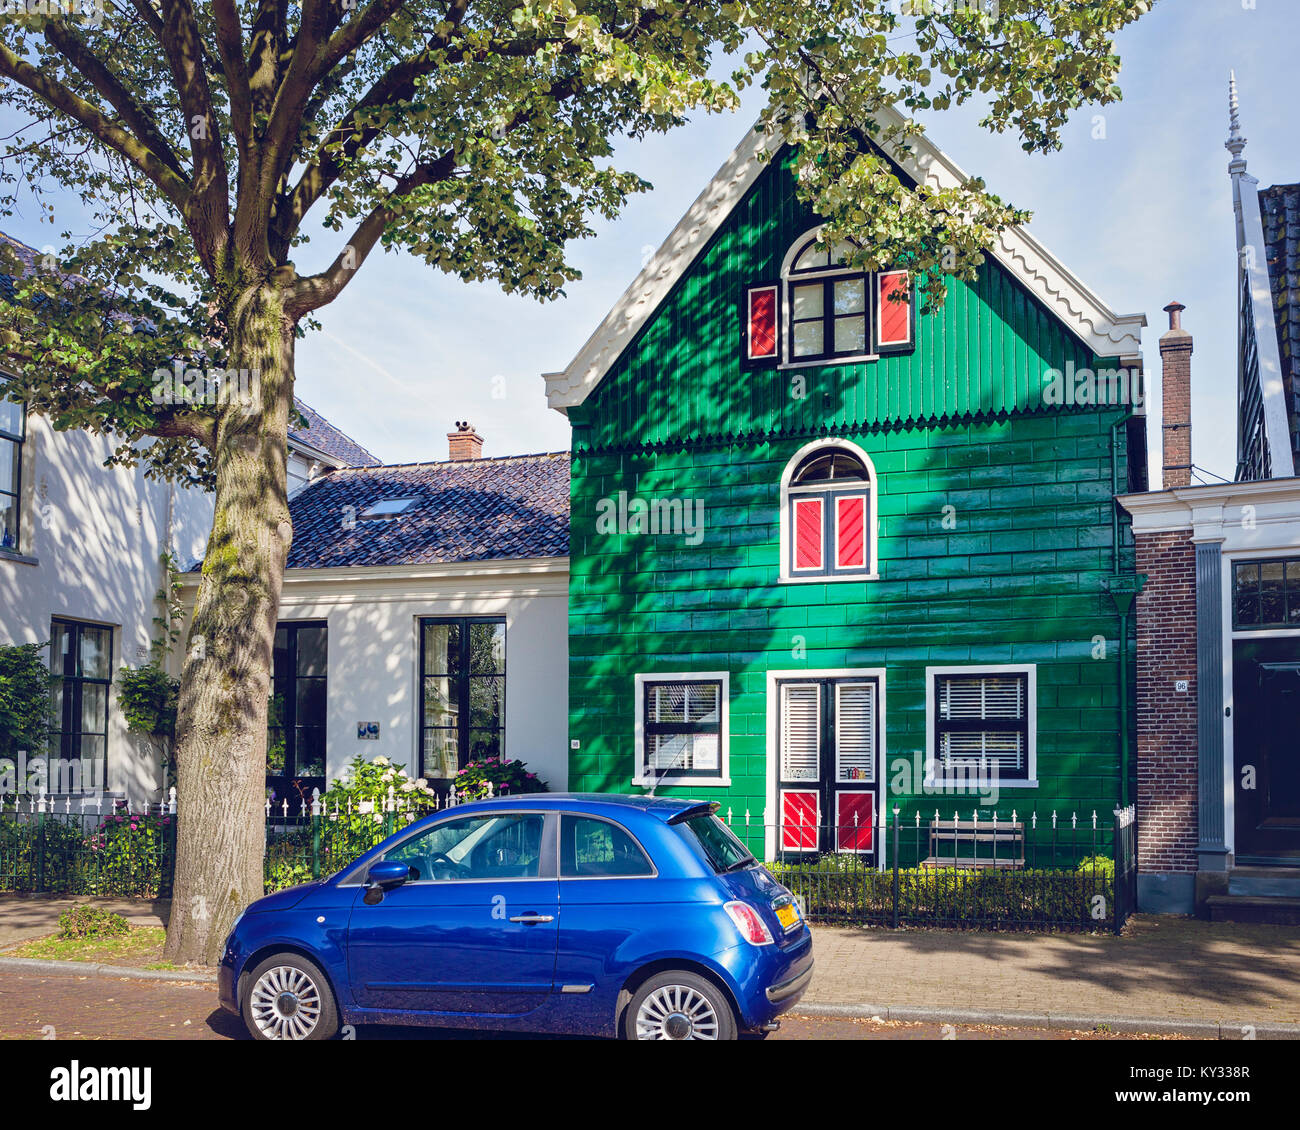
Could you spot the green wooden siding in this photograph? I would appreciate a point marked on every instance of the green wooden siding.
(986, 352)
(959, 423)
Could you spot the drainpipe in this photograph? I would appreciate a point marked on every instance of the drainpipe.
(1123, 589)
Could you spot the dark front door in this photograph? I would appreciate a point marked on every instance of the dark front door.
(1266, 749)
(828, 734)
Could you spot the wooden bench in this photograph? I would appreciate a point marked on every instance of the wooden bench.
(971, 844)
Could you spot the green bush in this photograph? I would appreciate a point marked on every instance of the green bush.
(990, 897)
(1101, 865)
(87, 921)
(24, 699)
(147, 696)
(511, 777)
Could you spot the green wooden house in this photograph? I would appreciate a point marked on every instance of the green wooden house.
(830, 555)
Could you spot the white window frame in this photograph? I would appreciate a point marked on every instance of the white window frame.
(640, 777)
(982, 782)
(871, 570)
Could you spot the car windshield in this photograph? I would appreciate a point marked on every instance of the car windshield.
(720, 846)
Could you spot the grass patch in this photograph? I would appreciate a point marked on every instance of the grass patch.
(141, 947)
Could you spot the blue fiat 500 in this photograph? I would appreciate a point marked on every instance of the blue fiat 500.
(593, 915)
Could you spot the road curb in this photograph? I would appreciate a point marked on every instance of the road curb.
(84, 968)
(1131, 1025)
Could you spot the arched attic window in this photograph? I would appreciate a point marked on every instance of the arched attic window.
(828, 524)
(823, 312)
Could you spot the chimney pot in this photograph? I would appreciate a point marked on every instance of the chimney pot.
(464, 443)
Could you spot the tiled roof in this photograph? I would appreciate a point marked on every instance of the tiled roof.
(324, 436)
(472, 510)
(1280, 209)
(26, 255)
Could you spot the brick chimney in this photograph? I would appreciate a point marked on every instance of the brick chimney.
(1176, 401)
(464, 443)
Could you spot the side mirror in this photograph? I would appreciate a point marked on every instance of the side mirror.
(387, 874)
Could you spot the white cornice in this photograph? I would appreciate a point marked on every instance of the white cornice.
(1106, 333)
(1215, 510)
(530, 572)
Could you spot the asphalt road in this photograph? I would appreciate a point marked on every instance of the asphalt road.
(69, 1007)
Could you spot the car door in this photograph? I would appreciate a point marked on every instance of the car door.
(475, 928)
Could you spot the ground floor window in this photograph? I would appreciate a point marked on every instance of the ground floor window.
(296, 721)
(81, 663)
(681, 728)
(463, 692)
(981, 724)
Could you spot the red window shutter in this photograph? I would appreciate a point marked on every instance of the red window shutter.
(799, 819)
(851, 532)
(762, 322)
(807, 533)
(894, 318)
(855, 815)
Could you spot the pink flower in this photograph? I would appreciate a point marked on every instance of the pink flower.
(133, 827)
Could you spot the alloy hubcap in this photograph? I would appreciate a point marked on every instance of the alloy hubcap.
(285, 1004)
(676, 1012)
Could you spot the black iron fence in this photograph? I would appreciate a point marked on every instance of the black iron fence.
(1015, 872)
(986, 871)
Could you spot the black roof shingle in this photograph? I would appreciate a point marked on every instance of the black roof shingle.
(473, 510)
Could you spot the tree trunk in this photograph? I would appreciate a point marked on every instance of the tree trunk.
(225, 681)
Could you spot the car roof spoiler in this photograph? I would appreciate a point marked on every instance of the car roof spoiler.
(704, 808)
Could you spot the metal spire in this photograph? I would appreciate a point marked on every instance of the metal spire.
(1235, 143)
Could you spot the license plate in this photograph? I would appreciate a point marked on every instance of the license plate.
(788, 915)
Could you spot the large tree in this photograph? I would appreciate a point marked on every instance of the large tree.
(209, 141)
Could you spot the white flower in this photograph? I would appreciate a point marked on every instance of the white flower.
(379, 761)
(422, 782)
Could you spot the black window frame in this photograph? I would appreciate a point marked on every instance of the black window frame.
(464, 728)
(73, 683)
(828, 316)
(1290, 594)
(282, 784)
(645, 770)
(17, 440)
(949, 771)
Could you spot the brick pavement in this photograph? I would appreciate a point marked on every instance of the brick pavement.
(1164, 967)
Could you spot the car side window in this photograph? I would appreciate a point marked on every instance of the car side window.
(505, 846)
(598, 849)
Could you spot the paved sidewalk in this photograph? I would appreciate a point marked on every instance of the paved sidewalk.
(1163, 967)
(23, 917)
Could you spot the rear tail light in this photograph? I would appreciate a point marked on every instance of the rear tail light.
(752, 928)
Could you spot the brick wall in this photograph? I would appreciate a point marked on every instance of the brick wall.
(1166, 718)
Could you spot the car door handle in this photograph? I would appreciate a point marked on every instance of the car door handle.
(533, 919)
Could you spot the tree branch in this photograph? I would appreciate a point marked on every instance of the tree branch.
(59, 34)
(315, 291)
(172, 185)
(230, 49)
(208, 216)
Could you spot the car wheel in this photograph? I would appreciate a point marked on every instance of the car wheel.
(288, 998)
(679, 1006)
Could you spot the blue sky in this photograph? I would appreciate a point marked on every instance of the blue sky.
(1143, 216)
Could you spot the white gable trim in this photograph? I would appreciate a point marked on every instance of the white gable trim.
(1104, 332)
